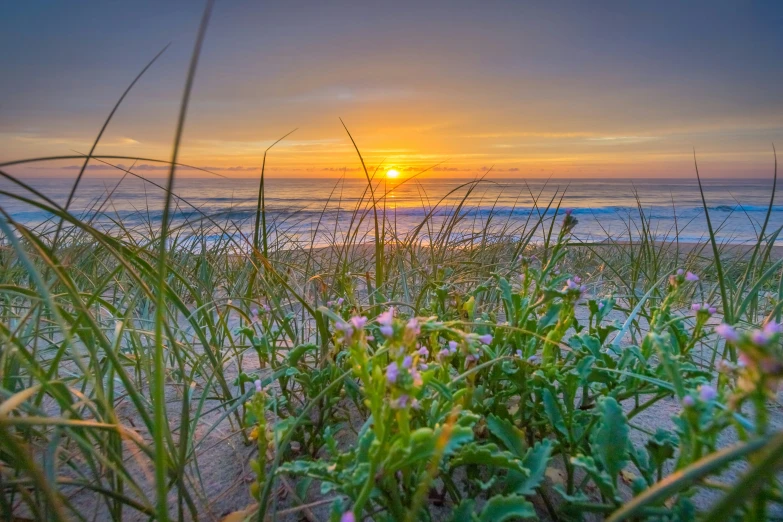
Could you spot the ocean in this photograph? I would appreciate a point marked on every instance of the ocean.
(320, 211)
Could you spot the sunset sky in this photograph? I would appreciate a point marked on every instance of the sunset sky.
(624, 89)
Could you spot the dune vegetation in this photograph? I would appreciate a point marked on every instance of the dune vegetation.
(203, 368)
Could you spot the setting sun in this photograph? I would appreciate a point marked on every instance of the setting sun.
(391, 174)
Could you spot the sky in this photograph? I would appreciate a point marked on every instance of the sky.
(520, 89)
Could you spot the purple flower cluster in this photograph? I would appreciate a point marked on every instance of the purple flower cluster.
(451, 350)
(385, 320)
(704, 308)
(354, 324)
(759, 338)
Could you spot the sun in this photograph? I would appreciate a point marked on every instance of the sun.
(392, 174)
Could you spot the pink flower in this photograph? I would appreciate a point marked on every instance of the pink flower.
(707, 393)
(680, 271)
(571, 285)
(422, 351)
(386, 330)
(601, 306)
(688, 401)
(443, 354)
(344, 327)
(407, 362)
(485, 339)
(254, 311)
(695, 307)
(392, 371)
(772, 328)
(340, 301)
(413, 326)
(453, 346)
(358, 322)
(348, 517)
(727, 332)
(690, 276)
(257, 383)
(386, 318)
(712, 310)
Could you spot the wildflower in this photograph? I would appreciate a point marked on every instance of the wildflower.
(691, 277)
(518, 353)
(680, 271)
(254, 311)
(422, 351)
(340, 301)
(400, 402)
(571, 285)
(345, 328)
(688, 401)
(385, 320)
(727, 332)
(601, 305)
(772, 328)
(707, 393)
(407, 362)
(569, 221)
(534, 359)
(348, 517)
(416, 376)
(358, 322)
(470, 357)
(415, 404)
(413, 326)
(704, 308)
(392, 371)
(257, 382)
(423, 367)
(443, 354)
(577, 279)
(759, 338)
(485, 339)
(266, 308)
(453, 346)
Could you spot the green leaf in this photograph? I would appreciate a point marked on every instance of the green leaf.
(296, 354)
(511, 507)
(600, 477)
(464, 511)
(553, 412)
(610, 439)
(508, 434)
(550, 318)
(535, 462)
